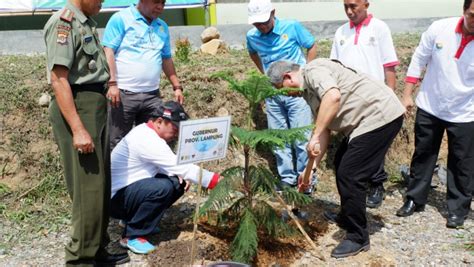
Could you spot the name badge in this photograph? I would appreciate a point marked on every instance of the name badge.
(87, 39)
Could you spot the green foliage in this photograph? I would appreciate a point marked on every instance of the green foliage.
(244, 196)
(245, 244)
(4, 189)
(271, 222)
(268, 138)
(220, 198)
(183, 49)
(255, 88)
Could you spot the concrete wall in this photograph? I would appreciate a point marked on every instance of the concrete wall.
(31, 41)
(235, 11)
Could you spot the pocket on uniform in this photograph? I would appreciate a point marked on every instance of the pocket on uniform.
(90, 47)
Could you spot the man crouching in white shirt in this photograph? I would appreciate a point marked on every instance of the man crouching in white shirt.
(146, 179)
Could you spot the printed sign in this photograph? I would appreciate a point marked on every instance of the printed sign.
(203, 140)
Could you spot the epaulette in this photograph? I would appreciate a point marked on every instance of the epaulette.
(67, 15)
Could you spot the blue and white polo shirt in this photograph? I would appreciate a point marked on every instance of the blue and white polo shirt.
(139, 48)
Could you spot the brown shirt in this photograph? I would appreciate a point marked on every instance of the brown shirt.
(365, 104)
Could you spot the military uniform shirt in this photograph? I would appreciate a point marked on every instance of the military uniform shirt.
(72, 41)
(365, 104)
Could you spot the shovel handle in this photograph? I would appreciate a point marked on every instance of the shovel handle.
(307, 172)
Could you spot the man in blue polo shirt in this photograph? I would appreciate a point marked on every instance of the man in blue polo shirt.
(273, 40)
(137, 47)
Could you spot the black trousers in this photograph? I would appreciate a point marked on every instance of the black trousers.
(356, 162)
(143, 203)
(429, 132)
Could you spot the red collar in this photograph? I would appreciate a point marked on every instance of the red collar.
(365, 22)
(151, 126)
(465, 38)
(459, 30)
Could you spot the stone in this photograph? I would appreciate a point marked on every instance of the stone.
(222, 112)
(44, 100)
(212, 47)
(209, 34)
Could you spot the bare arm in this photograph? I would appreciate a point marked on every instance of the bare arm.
(312, 53)
(256, 59)
(113, 94)
(407, 99)
(170, 72)
(390, 77)
(82, 141)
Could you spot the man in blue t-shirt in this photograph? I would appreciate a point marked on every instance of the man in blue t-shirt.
(274, 40)
(137, 47)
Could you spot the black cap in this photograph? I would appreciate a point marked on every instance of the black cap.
(172, 111)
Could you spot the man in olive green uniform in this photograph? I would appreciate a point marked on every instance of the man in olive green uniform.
(78, 71)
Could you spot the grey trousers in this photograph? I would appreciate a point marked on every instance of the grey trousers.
(134, 109)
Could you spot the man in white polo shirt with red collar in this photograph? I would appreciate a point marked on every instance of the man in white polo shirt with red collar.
(445, 103)
(365, 44)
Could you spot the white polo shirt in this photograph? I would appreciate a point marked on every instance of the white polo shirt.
(367, 47)
(142, 154)
(447, 90)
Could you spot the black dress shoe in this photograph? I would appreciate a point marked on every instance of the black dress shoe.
(349, 248)
(333, 218)
(455, 221)
(376, 196)
(409, 207)
(107, 259)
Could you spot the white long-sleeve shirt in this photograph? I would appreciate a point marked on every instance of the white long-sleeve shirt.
(447, 90)
(142, 153)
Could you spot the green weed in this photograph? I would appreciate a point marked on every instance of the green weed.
(183, 49)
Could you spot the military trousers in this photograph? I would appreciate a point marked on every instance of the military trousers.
(87, 176)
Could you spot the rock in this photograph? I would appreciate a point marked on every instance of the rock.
(212, 47)
(209, 34)
(44, 100)
(222, 112)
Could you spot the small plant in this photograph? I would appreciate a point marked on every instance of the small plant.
(183, 49)
(243, 198)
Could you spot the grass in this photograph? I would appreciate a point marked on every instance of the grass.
(29, 157)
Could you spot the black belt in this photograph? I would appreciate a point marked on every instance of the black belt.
(91, 87)
(154, 92)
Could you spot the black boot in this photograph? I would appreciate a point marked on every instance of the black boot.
(455, 221)
(376, 196)
(349, 248)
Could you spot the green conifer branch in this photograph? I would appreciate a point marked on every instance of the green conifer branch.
(245, 244)
(271, 221)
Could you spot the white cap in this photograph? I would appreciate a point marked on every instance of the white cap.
(259, 11)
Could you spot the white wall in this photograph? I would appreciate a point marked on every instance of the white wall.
(328, 10)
